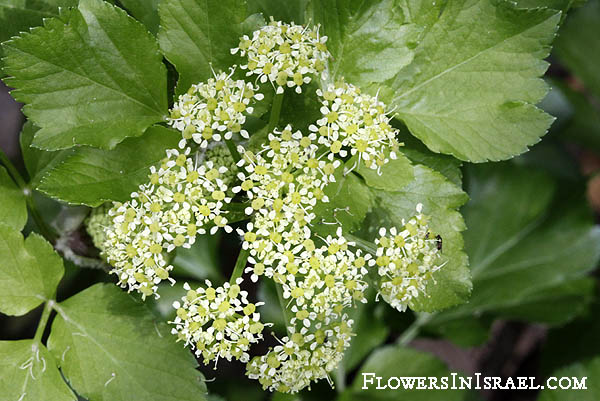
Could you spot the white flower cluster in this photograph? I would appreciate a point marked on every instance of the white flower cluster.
(356, 121)
(406, 261)
(303, 356)
(214, 110)
(181, 200)
(285, 55)
(322, 283)
(283, 181)
(218, 322)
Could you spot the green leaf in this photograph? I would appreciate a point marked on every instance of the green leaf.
(394, 361)
(589, 369)
(145, 11)
(18, 16)
(30, 271)
(28, 372)
(13, 212)
(578, 45)
(287, 11)
(393, 176)
(349, 202)
(584, 125)
(572, 342)
(370, 329)
(562, 5)
(370, 41)
(471, 88)
(92, 176)
(200, 261)
(441, 199)
(195, 34)
(110, 348)
(525, 253)
(37, 161)
(419, 154)
(94, 81)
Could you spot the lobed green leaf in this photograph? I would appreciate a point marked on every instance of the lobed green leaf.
(472, 87)
(111, 348)
(94, 80)
(28, 372)
(30, 271)
(13, 212)
(90, 176)
(522, 255)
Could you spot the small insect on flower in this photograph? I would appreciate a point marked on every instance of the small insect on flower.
(284, 55)
(406, 259)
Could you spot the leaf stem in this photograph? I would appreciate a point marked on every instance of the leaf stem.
(413, 330)
(284, 310)
(365, 245)
(39, 332)
(340, 378)
(275, 112)
(45, 230)
(233, 150)
(240, 264)
(12, 170)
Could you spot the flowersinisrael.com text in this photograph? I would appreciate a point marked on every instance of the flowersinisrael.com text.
(475, 382)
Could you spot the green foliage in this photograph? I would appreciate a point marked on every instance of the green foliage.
(578, 45)
(94, 80)
(14, 209)
(288, 11)
(145, 11)
(111, 348)
(28, 372)
(92, 176)
(349, 202)
(371, 331)
(31, 271)
(463, 80)
(196, 35)
(589, 369)
(370, 41)
(488, 72)
(524, 254)
(18, 16)
(441, 199)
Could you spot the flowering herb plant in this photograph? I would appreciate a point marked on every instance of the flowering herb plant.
(322, 140)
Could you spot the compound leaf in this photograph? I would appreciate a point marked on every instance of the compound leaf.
(111, 348)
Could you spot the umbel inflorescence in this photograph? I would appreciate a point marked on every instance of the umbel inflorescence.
(215, 178)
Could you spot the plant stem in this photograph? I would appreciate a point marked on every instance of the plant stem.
(46, 231)
(233, 150)
(240, 264)
(284, 310)
(275, 112)
(413, 330)
(365, 245)
(12, 170)
(340, 378)
(39, 332)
